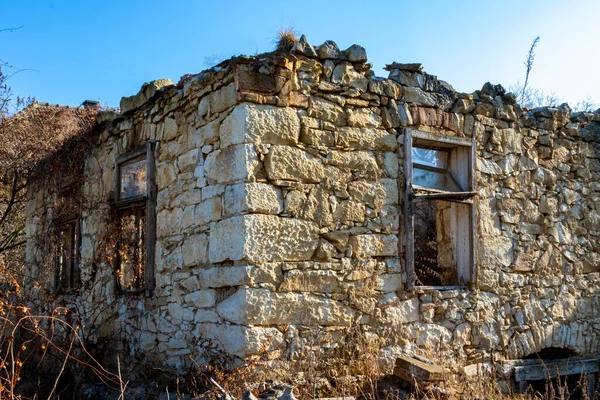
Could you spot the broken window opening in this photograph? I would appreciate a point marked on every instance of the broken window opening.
(67, 240)
(554, 371)
(135, 204)
(439, 210)
(67, 244)
(131, 254)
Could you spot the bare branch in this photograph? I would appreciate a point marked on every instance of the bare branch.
(11, 29)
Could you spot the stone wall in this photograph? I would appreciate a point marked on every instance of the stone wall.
(280, 209)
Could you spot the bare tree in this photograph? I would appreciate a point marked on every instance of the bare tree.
(29, 131)
(530, 97)
(214, 59)
(588, 105)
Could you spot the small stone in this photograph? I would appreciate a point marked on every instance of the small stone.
(329, 50)
(304, 48)
(356, 53)
(345, 74)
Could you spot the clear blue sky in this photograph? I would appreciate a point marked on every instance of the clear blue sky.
(102, 50)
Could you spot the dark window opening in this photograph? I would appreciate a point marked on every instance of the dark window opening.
(433, 266)
(67, 243)
(551, 353)
(557, 373)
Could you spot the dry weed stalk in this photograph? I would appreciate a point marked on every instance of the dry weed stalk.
(27, 339)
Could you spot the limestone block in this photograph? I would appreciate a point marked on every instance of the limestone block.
(304, 48)
(222, 276)
(170, 129)
(165, 175)
(227, 240)
(390, 164)
(263, 307)
(147, 92)
(548, 205)
(207, 211)
(168, 222)
(488, 218)
(291, 163)
(310, 281)
(242, 341)
(485, 336)
(254, 123)
(147, 341)
(363, 118)
(326, 251)
(194, 249)
(385, 87)
(251, 81)
(354, 160)
(348, 210)
(496, 251)
(201, 298)
(488, 167)
(259, 238)
(171, 262)
(328, 50)
(234, 163)
(206, 316)
(254, 198)
(317, 137)
(419, 97)
(374, 194)
(405, 115)
(179, 314)
(366, 139)
(389, 282)
(190, 284)
(207, 134)
(270, 273)
(314, 206)
(345, 74)
(374, 245)
(356, 53)
(223, 98)
(187, 162)
(326, 110)
(404, 312)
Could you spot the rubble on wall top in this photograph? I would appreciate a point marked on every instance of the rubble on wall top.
(146, 93)
(329, 50)
(408, 75)
(413, 67)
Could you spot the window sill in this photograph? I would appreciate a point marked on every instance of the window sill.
(130, 202)
(439, 288)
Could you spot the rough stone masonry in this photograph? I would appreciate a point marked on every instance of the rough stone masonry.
(280, 207)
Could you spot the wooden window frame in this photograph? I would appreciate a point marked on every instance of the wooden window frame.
(71, 277)
(150, 204)
(467, 197)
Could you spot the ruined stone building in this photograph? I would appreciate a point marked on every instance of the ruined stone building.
(270, 194)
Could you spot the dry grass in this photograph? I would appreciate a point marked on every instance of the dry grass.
(286, 39)
(346, 363)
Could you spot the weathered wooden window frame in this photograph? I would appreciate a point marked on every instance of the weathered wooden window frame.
(70, 279)
(150, 204)
(468, 245)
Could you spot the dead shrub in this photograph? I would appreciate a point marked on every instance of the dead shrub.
(286, 39)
